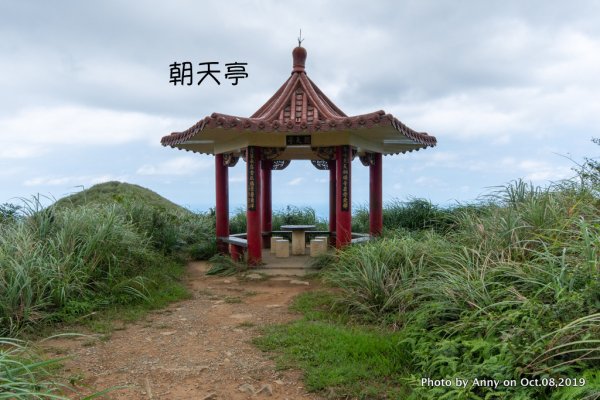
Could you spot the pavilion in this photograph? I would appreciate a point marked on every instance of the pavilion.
(298, 122)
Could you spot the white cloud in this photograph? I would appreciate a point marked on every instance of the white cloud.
(468, 115)
(540, 171)
(578, 60)
(16, 151)
(185, 165)
(84, 180)
(551, 83)
(537, 171)
(497, 84)
(31, 131)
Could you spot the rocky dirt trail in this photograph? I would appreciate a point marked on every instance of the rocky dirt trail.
(194, 349)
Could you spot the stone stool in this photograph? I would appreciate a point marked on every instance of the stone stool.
(317, 247)
(273, 240)
(282, 248)
(325, 240)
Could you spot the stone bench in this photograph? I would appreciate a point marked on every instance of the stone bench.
(237, 245)
(358, 239)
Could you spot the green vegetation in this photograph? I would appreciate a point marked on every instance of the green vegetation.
(341, 360)
(223, 265)
(119, 192)
(508, 289)
(171, 229)
(68, 261)
(290, 215)
(414, 214)
(23, 375)
(108, 253)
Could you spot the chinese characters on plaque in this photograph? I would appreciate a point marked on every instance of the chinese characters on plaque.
(183, 73)
(297, 140)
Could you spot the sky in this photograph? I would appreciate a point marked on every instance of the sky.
(510, 90)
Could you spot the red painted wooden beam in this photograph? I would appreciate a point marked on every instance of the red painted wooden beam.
(266, 201)
(332, 202)
(375, 196)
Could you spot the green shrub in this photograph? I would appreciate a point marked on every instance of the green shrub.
(60, 262)
(171, 231)
(9, 213)
(507, 289)
(291, 215)
(411, 215)
(202, 251)
(237, 222)
(378, 277)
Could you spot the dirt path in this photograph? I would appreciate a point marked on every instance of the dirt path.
(194, 349)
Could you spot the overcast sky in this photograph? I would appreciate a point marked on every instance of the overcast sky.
(510, 90)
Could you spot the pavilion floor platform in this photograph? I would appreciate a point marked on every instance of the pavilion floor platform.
(290, 266)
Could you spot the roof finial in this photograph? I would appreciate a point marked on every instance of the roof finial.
(299, 55)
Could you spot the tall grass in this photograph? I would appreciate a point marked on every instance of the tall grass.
(290, 215)
(412, 215)
(379, 276)
(22, 376)
(172, 231)
(511, 290)
(25, 375)
(60, 262)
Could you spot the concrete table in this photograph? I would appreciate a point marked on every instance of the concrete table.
(298, 237)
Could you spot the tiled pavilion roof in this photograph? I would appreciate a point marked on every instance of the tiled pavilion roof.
(299, 107)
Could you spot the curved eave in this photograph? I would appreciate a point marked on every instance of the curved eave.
(378, 132)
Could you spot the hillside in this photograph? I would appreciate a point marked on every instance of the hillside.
(119, 192)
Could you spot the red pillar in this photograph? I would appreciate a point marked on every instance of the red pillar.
(375, 196)
(266, 201)
(253, 215)
(222, 202)
(343, 155)
(332, 204)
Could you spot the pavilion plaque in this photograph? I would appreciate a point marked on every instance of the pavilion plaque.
(297, 140)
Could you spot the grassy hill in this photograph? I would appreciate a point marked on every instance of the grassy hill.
(119, 192)
(112, 244)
